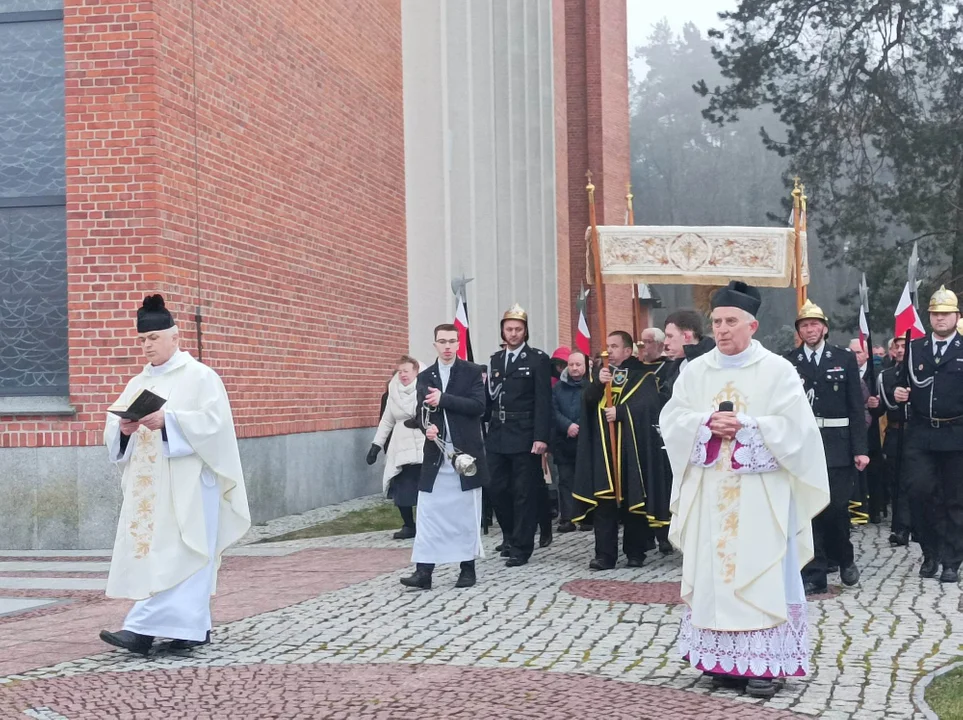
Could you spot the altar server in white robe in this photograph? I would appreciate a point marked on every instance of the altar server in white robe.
(184, 496)
(451, 403)
(750, 475)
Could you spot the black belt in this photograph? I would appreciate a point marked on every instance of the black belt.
(504, 415)
(940, 422)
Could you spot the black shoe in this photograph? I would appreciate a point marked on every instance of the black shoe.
(466, 578)
(726, 682)
(761, 687)
(899, 537)
(600, 564)
(583, 527)
(665, 547)
(949, 575)
(516, 562)
(420, 579)
(830, 569)
(189, 644)
(849, 574)
(406, 533)
(566, 527)
(501, 546)
(506, 552)
(545, 539)
(635, 562)
(812, 588)
(928, 568)
(134, 642)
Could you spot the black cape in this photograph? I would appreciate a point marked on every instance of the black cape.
(642, 462)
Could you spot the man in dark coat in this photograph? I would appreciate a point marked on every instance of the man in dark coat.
(899, 487)
(830, 377)
(934, 439)
(636, 406)
(567, 403)
(684, 342)
(520, 392)
(451, 398)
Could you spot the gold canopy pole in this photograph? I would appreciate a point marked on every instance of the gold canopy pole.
(636, 310)
(596, 258)
(797, 223)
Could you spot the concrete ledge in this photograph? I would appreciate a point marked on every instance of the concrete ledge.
(68, 498)
(36, 405)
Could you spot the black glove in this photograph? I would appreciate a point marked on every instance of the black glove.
(412, 423)
(372, 455)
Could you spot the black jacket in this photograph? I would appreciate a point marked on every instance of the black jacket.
(567, 404)
(464, 405)
(835, 391)
(938, 401)
(670, 371)
(521, 401)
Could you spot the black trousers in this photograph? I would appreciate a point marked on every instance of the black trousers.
(936, 503)
(635, 532)
(430, 567)
(831, 528)
(566, 483)
(519, 498)
(902, 515)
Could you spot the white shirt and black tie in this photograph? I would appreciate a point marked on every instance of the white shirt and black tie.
(940, 345)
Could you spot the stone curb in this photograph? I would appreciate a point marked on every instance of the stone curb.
(920, 691)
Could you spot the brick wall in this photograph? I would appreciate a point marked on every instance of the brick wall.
(597, 138)
(247, 157)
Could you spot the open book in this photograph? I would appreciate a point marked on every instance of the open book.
(142, 404)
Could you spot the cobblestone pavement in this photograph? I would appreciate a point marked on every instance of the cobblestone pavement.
(546, 640)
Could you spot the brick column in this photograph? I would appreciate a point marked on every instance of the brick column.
(591, 42)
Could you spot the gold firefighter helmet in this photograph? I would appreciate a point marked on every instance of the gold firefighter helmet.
(944, 300)
(811, 311)
(515, 312)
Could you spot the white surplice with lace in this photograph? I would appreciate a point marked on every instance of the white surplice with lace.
(742, 512)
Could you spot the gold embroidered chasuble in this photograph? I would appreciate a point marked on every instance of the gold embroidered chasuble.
(161, 538)
(733, 528)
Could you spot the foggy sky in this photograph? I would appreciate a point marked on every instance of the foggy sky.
(643, 14)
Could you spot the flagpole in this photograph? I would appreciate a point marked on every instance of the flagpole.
(603, 332)
(904, 381)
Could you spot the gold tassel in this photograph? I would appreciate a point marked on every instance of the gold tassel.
(702, 297)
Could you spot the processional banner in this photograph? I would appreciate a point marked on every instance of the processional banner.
(667, 255)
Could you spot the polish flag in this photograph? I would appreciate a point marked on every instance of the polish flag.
(863, 329)
(582, 336)
(461, 324)
(907, 318)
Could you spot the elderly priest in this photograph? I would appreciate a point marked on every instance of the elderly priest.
(750, 476)
(184, 497)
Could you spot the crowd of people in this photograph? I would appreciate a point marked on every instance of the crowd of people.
(814, 438)
(748, 465)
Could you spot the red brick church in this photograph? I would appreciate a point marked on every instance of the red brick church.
(301, 180)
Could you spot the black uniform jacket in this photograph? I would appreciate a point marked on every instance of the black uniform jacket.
(835, 392)
(670, 372)
(642, 464)
(520, 395)
(464, 405)
(888, 380)
(936, 396)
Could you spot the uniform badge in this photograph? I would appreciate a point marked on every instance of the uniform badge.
(497, 373)
(620, 376)
(799, 357)
(524, 355)
(829, 353)
(836, 388)
(921, 366)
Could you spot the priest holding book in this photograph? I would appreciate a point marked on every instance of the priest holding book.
(184, 496)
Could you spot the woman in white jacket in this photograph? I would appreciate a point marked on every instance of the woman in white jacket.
(406, 449)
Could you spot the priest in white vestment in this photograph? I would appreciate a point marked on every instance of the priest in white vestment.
(184, 496)
(750, 475)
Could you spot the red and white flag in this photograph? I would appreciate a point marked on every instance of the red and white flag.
(907, 318)
(582, 335)
(863, 329)
(461, 324)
